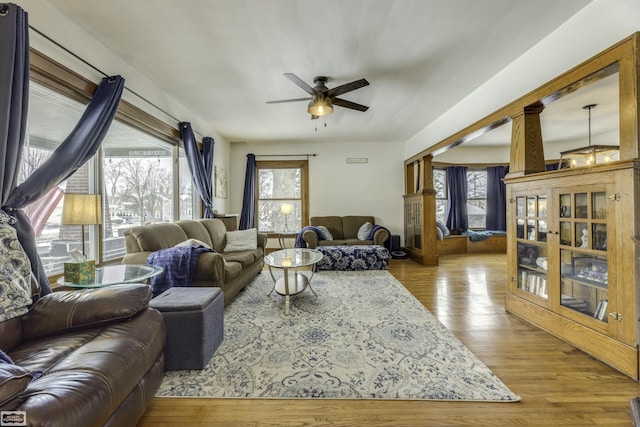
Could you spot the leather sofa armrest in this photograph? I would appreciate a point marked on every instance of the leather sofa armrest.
(210, 267)
(262, 240)
(64, 311)
(311, 237)
(380, 236)
(13, 381)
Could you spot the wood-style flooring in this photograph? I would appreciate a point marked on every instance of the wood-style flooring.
(559, 385)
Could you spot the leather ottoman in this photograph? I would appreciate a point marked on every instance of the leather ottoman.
(194, 320)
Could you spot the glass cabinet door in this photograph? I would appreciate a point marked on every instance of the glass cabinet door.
(531, 237)
(584, 283)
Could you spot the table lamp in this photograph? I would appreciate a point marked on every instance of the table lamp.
(285, 209)
(81, 209)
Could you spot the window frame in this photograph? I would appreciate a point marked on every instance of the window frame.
(57, 77)
(303, 165)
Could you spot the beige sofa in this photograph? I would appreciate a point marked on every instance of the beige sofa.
(344, 230)
(230, 271)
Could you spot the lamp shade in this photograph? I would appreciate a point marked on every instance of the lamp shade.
(81, 209)
(285, 209)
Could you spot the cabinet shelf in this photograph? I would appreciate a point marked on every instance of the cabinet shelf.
(534, 268)
(587, 281)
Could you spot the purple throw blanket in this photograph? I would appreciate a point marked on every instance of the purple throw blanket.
(179, 264)
(300, 243)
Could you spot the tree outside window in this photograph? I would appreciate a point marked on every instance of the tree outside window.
(477, 199)
(440, 186)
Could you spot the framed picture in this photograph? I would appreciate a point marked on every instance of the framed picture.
(220, 175)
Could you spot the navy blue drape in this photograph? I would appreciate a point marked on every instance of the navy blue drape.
(74, 151)
(200, 165)
(457, 218)
(80, 146)
(249, 199)
(496, 199)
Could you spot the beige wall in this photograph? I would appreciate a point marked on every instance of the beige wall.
(337, 188)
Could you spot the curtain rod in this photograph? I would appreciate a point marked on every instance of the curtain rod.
(105, 74)
(286, 155)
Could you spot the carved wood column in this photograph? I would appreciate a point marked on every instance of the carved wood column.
(527, 153)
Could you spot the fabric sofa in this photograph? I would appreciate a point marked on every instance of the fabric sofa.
(230, 271)
(88, 357)
(343, 230)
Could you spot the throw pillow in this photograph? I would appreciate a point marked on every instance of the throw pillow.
(443, 228)
(15, 275)
(193, 242)
(365, 230)
(325, 233)
(241, 240)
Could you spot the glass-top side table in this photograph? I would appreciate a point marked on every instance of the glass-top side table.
(292, 282)
(115, 274)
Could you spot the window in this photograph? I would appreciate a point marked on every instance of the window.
(477, 198)
(140, 172)
(138, 189)
(440, 186)
(189, 201)
(282, 204)
(51, 118)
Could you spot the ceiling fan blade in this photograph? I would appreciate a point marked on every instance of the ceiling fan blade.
(347, 87)
(348, 104)
(289, 100)
(301, 83)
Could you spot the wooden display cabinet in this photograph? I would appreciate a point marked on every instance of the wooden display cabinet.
(571, 258)
(420, 212)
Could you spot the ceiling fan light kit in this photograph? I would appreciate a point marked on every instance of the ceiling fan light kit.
(322, 98)
(320, 106)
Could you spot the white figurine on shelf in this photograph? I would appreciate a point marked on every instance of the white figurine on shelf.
(585, 239)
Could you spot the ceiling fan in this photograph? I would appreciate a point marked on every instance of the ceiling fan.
(322, 98)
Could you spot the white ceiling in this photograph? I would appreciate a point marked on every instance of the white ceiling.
(223, 59)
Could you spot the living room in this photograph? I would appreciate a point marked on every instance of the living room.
(360, 176)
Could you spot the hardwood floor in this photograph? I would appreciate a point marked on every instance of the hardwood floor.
(559, 385)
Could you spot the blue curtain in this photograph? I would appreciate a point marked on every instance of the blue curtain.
(200, 165)
(75, 150)
(457, 218)
(249, 199)
(496, 199)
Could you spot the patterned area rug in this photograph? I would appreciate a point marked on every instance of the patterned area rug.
(363, 337)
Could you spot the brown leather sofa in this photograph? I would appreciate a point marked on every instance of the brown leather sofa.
(229, 271)
(344, 230)
(89, 357)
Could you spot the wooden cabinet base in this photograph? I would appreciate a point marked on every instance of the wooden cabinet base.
(614, 353)
(420, 258)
